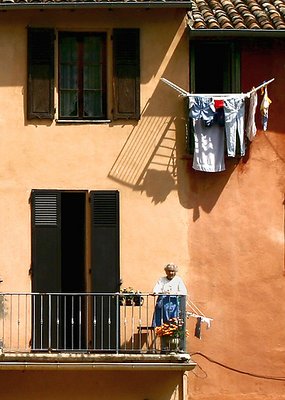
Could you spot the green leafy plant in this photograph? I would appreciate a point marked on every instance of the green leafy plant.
(129, 296)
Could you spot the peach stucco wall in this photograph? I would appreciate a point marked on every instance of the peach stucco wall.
(225, 231)
(62, 385)
(139, 160)
(236, 246)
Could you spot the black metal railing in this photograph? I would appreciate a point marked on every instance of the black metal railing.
(89, 322)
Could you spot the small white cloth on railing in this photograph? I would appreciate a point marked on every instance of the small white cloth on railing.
(207, 320)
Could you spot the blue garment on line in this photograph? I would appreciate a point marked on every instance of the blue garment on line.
(234, 109)
(167, 307)
(203, 108)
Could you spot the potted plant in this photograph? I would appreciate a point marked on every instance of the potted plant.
(131, 297)
(171, 332)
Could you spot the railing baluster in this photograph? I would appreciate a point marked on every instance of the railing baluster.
(102, 322)
(18, 323)
(86, 323)
(57, 321)
(11, 319)
(49, 322)
(125, 326)
(117, 324)
(34, 322)
(26, 322)
(109, 322)
(2, 314)
(72, 322)
(80, 323)
(94, 322)
(41, 345)
(64, 321)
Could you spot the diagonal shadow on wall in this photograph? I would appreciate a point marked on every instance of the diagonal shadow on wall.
(147, 161)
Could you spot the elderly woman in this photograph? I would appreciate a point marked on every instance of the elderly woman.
(171, 293)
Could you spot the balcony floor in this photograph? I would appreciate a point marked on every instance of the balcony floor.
(68, 361)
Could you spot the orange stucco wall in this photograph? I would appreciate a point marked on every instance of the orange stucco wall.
(225, 231)
(90, 385)
(41, 154)
(237, 252)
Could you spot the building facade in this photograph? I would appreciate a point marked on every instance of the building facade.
(98, 192)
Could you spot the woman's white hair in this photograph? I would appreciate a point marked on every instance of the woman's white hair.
(171, 266)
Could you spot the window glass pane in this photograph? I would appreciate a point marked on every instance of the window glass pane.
(92, 77)
(93, 104)
(68, 63)
(69, 76)
(68, 49)
(69, 104)
(92, 49)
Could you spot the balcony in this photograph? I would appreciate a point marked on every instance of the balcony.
(99, 330)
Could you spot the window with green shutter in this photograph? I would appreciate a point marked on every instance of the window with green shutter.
(40, 97)
(126, 52)
(83, 80)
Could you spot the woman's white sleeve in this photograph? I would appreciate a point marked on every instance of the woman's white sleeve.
(182, 288)
(158, 287)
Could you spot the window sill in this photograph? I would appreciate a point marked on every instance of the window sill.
(82, 121)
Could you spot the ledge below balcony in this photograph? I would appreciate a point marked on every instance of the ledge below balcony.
(72, 361)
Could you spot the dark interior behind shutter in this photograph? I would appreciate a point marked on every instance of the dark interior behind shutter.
(126, 52)
(105, 267)
(40, 73)
(46, 241)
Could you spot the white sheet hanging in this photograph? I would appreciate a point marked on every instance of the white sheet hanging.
(208, 147)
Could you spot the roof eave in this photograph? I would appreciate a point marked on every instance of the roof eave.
(196, 33)
(94, 4)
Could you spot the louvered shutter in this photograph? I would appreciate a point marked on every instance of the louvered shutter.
(40, 73)
(105, 240)
(126, 52)
(105, 267)
(46, 241)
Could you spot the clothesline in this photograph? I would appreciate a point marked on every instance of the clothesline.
(200, 317)
(196, 313)
(184, 93)
(194, 308)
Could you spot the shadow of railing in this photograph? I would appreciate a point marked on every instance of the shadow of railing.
(151, 145)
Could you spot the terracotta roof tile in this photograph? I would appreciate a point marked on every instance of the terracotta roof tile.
(237, 14)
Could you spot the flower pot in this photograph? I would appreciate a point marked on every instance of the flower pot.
(169, 343)
(134, 300)
(174, 343)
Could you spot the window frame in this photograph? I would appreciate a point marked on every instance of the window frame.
(80, 35)
(121, 75)
(235, 61)
(234, 81)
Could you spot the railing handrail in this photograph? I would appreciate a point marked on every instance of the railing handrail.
(91, 293)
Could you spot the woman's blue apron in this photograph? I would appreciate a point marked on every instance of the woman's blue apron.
(167, 307)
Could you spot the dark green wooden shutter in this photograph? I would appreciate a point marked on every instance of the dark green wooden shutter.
(105, 267)
(105, 240)
(46, 241)
(40, 73)
(126, 52)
